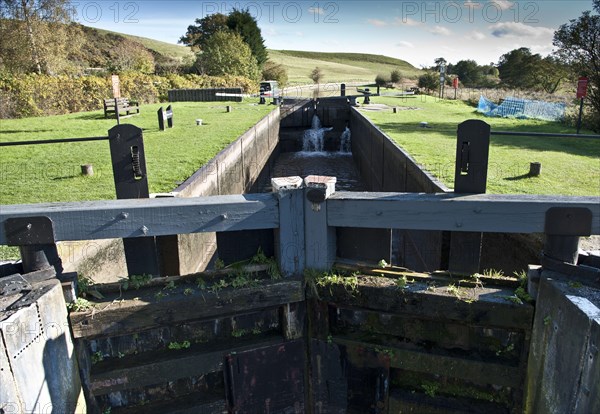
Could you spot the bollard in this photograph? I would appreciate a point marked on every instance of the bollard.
(228, 108)
(535, 169)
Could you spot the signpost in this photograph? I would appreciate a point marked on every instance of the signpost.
(116, 86)
(442, 79)
(582, 84)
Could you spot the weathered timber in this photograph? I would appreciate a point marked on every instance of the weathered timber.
(328, 384)
(144, 311)
(293, 320)
(565, 340)
(95, 220)
(290, 238)
(319, 237)
(478, 372)
(440, 275)
(411, 402)
(266, 379)
(494, 344)
(481, 306)
(166, 366)
(455, 212)
(195, 403)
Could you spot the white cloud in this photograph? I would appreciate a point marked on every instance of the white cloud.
(300, 34)
(269, 31)
(440, 30)
(404, 43)
(406, 21)
(503, 4)
(475, 35)
(512, 29)
(316, 10)
(377, 22)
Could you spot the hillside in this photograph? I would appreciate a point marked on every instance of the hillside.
(170, 50)
(337, 67)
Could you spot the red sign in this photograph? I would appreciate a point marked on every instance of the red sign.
(582, 84)
(455, 83)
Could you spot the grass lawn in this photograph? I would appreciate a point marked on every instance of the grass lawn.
(339, 67)
(570, 166)
(44, 173)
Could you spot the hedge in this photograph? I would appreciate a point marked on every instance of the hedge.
(34, 95)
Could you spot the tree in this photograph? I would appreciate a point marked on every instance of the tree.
(316, 75)
(130, 56)
(439, 62)
(36, 35)
(242, 22)
(396, 76)
(517, 67)
(197, 35)
(226, 53)
(469, 72)
(275, 71)
(381, 80)
(429, 81)
(578, 45)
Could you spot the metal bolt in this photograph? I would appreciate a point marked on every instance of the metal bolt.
(223, 216)
(29, 226)
(144, 230)
(123, 215)
(458, 224)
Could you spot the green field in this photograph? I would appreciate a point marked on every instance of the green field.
(44, 173)
(570, 166)
(339, 67)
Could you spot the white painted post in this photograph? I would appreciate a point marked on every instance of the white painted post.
(289, 238)
(319, 238)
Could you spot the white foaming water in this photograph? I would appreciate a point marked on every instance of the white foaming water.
(345, 142)
(313, 138)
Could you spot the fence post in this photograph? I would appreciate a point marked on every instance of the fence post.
(470, 176)
(169, 116)
(289, 238)
(131, 181)
(319, 238)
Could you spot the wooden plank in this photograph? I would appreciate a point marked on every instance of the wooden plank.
(319, 238)
(411, 402)
(195, 403)
(166, 367)
(145, 311)
(455, 212)
(157, 217)
(478, 372)
(480, 306)
(290, 238)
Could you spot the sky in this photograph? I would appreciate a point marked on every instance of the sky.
(415, 31)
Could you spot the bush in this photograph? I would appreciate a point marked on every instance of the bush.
(381, 80)
(33, 95)
(275, 71)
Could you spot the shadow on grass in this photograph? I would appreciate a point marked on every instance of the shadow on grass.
(21, 131)
(87, 116)
(518, 177)
(577, 146)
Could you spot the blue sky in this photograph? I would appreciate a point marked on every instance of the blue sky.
(416, 31)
